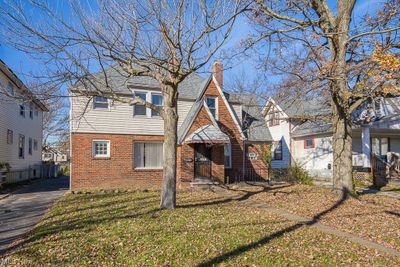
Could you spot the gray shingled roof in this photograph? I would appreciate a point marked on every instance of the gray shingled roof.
(304, 107)
(254, 125)
(190, 88)
(207, 134)
(119, 82)
(311, 128)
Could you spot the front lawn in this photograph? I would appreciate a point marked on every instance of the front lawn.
(116, 229)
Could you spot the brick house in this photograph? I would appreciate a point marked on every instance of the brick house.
(221, 135)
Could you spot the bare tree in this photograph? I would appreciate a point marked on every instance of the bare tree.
(56, 120)
(326, 48)
(165, 40)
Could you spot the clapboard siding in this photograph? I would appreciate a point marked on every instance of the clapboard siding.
(281, 132)
(30, 128)
(118, 119)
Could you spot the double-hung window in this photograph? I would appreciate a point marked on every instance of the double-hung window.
(30, 146)
(140, 109)
(228, 156)
(10, 137)
(156, 99)
(212, 104)
(148, 155)
(35, 145)
(31, 111)
(278, 154)
(101, 148)
(100, 102)
(22, 110)
(21, 146)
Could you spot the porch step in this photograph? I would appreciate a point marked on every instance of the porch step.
(203, 182)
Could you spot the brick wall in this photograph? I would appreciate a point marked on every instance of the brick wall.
(117, 171)
(114, 172)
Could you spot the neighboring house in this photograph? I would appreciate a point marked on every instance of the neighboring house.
(220, 135)
(51, 154)
(20, 126)
(376, 133)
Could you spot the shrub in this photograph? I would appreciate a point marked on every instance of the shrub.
(5, 165)
(299, 175)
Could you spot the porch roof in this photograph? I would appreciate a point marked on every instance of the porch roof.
(207, 134)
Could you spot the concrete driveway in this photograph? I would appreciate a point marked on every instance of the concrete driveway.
(23, 209)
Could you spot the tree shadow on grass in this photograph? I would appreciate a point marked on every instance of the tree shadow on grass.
(245, 195)
(265, 240)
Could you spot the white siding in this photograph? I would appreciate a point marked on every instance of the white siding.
(281, 132)
(30, 128)
(314, 160)
(118, 119)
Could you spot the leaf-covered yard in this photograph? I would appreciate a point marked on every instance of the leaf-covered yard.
(209, 229)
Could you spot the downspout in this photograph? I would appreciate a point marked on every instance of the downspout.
(244, 157)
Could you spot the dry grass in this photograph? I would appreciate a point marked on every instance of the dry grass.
(127, 229)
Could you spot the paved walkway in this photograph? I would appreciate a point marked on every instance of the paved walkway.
(301, 221)
(23, 209)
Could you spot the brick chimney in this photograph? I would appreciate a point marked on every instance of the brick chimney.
(217, 73)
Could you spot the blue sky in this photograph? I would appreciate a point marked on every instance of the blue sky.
(23, 64)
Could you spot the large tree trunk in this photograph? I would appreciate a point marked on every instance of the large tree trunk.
(168, 194)
(342, 151)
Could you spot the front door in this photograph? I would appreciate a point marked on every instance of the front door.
(202, 167)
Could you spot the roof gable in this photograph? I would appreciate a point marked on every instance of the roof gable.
(199, 105)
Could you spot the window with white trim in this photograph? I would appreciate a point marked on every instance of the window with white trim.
(156, 99)
(228, 156)
(101, 148)
(100, 102)
(212, 104)
(21, 146)
(139, 109)
(277, 149)
(148, 155)
(10, 137)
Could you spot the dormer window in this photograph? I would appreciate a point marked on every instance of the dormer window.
(156, 99)
(100, 102)
(212, 104)
(140, 109)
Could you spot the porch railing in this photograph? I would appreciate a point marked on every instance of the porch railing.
(386, 171)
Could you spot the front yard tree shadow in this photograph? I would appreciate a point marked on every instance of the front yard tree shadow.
(265, 240)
